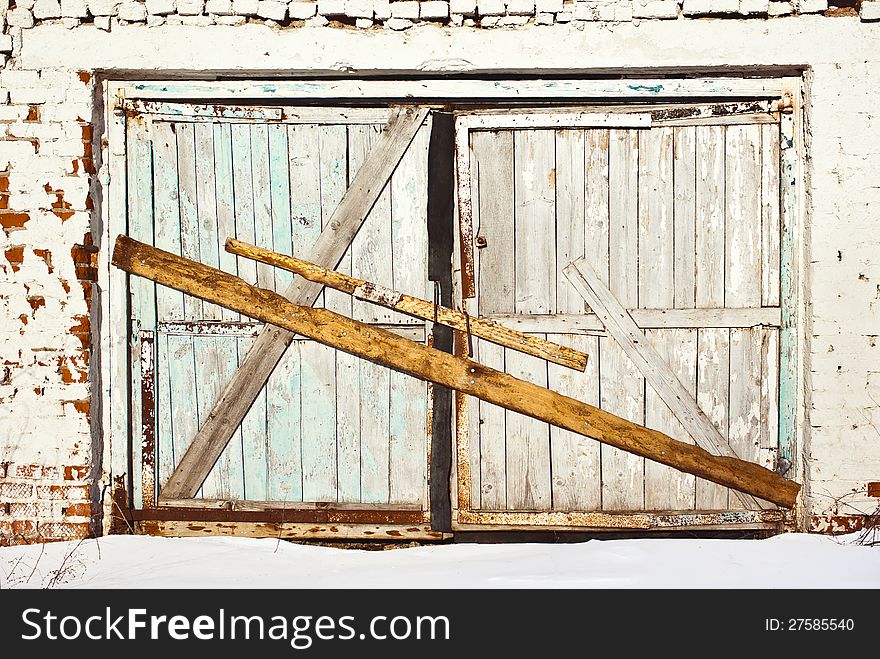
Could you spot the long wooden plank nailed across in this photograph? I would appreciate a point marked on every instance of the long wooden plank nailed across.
(254, 371)
(465, 375)
(656, 371)
(386, 297)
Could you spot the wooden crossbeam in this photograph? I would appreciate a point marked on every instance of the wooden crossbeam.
(651, 364)
(239, 395)
(413, 306)
(462, 374)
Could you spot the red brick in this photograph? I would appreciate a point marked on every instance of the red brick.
(16, 491)
(68, 492)
(64, 530)
(24, 527)
(13, 220)
(79, 510)
(76, 473)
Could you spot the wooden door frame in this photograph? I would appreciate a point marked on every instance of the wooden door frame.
(467, 518)
(118, 347)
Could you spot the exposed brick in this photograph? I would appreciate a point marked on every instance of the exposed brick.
(76, 473)
(302, 10)
(66, 492)
(65, 530)
(13, 220)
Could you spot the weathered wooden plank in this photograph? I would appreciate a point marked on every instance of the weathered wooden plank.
(768, 450)
(370, 253)
(375, 419)
(623, 184)
(570, 205)
(184, 413)
(165, 462)
(336, 165)
(318, 421)
(731, 120)
(291, 530)
(369, 291)
(254, 440)
(667, 488)
(263, 229)
(489, 435)
(223, 179)
(770, 211)
(744, 406)
(713, 384)
(575, 464)
(493, 178)
(243, 195)
(742, 277)
(166, 209)
(645, 318)
(279, 191)
(657, 373)
(656, 231)
(305, 189)
(621, 385)
(468, 89)
(272, 505)
(534, 221)
(284, 426)
(528, 442)
(206, 204)
(596, 206)
(684, 217)
(189, 212)
(465, 375)
(709, 248)
(408, 439)
(622, 391)
(216, 359)
(331, 245)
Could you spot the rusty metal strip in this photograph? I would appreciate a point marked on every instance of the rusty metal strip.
(465, 207)
(148, 418)
(281, 516)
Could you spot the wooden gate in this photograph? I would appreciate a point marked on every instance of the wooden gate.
(336, 443)
(677, 211)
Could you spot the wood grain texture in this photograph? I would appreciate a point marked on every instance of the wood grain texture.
(489, 434)
(656, 371)
(255, 369)
(465, 375)
(709, 254)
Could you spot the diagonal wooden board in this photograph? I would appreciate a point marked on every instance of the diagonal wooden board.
(465, 375)
(638, 348)
(253, 373)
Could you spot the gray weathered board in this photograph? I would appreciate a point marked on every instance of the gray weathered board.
(683, 218)
(327, 427)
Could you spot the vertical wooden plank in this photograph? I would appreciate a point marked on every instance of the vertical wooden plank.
(667, 488)
(534, 221)
(263, 228)
(184, 411)
(709, 250)
(215, 364)
(770, 202)
(164, 438)
(790, 174)
(575, 461)
(318, 421)
(744, 430)
(684, 216)
(407, 437)
(623, 185)
(279, 191)
(743, 265)
(596, 205)
(622, 392)
(493, 175)
(223, 181)
(713, 384)
(656, 258)
(375, 387)
(490, 439)
(371, 250)
(283, 425)
(189, 212)
(169, 303)
(333, 174)
(253, 435)
(139, 201)
(528, 443)
(317, 362)
(769, 414)
(622, 388)
(570, 207)
(206, 203)
(243, 196)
